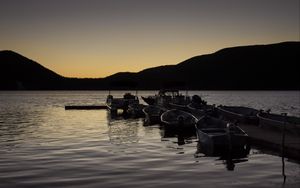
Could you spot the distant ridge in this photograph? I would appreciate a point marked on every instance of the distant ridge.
(260, 67)
(19, 72)
(255, 67)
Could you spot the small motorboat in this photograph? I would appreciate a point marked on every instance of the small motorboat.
(217, 137)
(178, 119)
(239, 113)
(182, 107)
(198, 103)
(166, 96)
(114, 104)
(277, 121)
(152, 114)
(136, 110)
(198, 107)
(150, 100)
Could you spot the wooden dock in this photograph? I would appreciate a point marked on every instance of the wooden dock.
(86, 107)
(272, 139)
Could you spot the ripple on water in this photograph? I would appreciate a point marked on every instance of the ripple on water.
(42, 145)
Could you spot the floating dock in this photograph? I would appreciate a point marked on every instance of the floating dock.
(86, 107)
(272, 139)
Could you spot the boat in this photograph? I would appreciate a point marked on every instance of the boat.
(205, 109)
(152, 114)
(172, 98)
(178, 119)
(183, 136)
(229, 159)
(150, 100)
(197, 103)
(115, 104)
(136, 110)
(239, 113)
(193, 106)
(167, 96)
(182, 107)
(171, 133)
(218, 137)
(198, 107)
(277, 121)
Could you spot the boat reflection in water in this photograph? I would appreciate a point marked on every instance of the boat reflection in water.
(122, 132)
(229, 157)
(217, 137)
(184, 136)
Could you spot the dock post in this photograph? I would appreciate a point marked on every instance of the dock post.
(282, 147)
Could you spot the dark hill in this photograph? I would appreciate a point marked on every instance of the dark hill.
(19, 72)
(273, 66)
(264, 67)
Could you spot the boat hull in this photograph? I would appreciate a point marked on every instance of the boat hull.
(136, 110)
(115, 104)
(170, 119)
(152, 119)
(277, 122)
(216, 138)
(152, 114)
(239, 113)
(149, 100)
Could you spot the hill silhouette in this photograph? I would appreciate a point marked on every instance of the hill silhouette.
(261, 67)
(273, 66)
(19, 72)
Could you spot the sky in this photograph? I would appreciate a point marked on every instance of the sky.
(97, 38)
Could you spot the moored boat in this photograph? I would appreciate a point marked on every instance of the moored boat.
(198, 107)
(150, 100)
(277, 121)
(136, 110)
(114, 104)
(197, 103)
(239, 113)
(193, 106)
(217, 137)
(167, 96)
(152, 114)
(182, 107)
(178, 119)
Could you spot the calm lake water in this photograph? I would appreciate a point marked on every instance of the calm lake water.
(42, 145)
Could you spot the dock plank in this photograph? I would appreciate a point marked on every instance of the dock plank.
(272, 139)
(86, 107)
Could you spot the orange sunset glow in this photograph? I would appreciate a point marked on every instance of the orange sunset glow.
(99, 38)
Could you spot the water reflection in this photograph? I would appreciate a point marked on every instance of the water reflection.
(183, 136)
(229, 158)
(19, 124)
(122, 130)
(42, 145)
